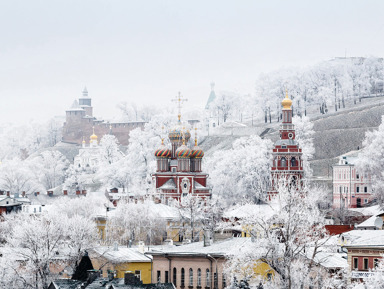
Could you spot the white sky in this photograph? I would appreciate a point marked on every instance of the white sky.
(146, 51)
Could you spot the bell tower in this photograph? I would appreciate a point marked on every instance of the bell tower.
(287, 164)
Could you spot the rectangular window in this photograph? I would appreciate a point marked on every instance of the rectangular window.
(357, 176)
(166, 277)
(158, 276)
(365, 189)
(375, 262)
(355, 263)
(138, 274)
(365, 201)
(365, 263)
(357, 189)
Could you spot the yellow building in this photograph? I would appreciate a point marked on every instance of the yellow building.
(121, 259)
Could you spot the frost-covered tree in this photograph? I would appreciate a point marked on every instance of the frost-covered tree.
(283, 238)
(109, 150)
(242, 171)
(304, 136)
(135, 221)
(35, 245)
(49, 168)
(371, 160)
(17, 177)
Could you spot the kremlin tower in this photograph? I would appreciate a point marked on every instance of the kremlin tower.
(287, 166)
(179, 167)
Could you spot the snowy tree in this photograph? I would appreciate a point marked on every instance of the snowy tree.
(370, 161)
(35, 245)
(49, 168)
(17, 177)
(295, 226)
(135, 221)
(109, 150)
(304, 136)
(242, 171)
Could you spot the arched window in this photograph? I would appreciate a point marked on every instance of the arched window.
(283, 162)
(199, 277)
(174, 276)
(208, 278)
(293, 162)
(182, 280)
(190, 277)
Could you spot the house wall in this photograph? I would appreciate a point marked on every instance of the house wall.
(101, 263)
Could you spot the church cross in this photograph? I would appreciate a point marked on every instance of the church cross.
(179, 99)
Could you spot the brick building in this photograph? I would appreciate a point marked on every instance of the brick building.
(80, 123)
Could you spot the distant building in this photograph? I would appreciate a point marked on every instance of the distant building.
(80, 122)
(287, 163)
(351, 188)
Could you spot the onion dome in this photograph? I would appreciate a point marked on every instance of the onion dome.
(93, 137)
(162, 151)
(183, 152)
(197, 152)
(286, 103)
(176, 135)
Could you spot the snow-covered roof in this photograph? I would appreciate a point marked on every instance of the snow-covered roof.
(330, 260)
(368, 223)
(169, 185)
(75, 106)
(121, 255)
(199, 186)
(220, 248)
(364, 238)
(368, 211)
(248, 210)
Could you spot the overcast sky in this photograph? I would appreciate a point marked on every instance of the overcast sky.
(146, 51)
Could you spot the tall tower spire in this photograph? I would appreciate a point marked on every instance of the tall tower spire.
(85, 92)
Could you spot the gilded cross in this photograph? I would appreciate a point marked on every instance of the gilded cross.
(179, 99)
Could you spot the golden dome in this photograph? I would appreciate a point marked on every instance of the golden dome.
(93, 136)
(286, 103)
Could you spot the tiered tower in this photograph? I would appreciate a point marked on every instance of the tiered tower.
(179, 167)
(287, 164)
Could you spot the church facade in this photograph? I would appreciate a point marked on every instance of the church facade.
(179, 171)
(287, 163)
(80, 122)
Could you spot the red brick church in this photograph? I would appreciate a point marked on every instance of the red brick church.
(179, 170)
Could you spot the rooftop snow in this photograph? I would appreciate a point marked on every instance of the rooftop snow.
(121, 255)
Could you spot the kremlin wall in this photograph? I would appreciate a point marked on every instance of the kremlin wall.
(80, 123)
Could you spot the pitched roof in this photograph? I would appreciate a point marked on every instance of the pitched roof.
(65, 284)
(169, 185)
(122, 255)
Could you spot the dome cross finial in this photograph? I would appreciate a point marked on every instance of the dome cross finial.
(179, 99)
(195, 136)
(287, 102)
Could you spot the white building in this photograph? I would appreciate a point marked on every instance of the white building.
(89, 156)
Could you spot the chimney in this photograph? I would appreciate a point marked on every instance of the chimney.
(50, 193)
(37, 193)
(84, 192)
(1, 193)
(207, 238)
(8, 193)
(115, 246)
(65, 192)
(23, 194)
(77, 192)
(141, 247)
(130, 244)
